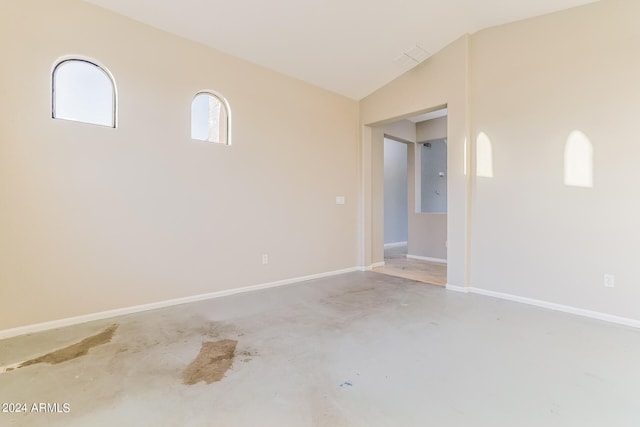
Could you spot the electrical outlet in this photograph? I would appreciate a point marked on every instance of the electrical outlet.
(265, 259)
(609, 280)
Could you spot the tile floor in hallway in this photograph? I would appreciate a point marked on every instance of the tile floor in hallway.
(360, 349)
(397, 264)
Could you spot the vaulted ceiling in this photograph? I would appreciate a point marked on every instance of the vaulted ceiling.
(351, 47)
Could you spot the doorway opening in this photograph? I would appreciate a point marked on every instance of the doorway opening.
(415, 198)
(396, 192)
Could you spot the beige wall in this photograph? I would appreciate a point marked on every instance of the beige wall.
(440, 80)
(533, 83)
(402, 129)
(95, 218)
(431, 129)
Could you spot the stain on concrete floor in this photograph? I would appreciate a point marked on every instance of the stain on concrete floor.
(75, 350)
(213, 361)
(247, 355)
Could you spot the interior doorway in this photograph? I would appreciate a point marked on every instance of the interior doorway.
(415, 198)
(396, 192)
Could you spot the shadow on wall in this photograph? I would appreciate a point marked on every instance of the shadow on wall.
(484, 156)
(578, 161)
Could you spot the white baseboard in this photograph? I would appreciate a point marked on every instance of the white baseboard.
(550, 305)
(38, 327)
(455, 288)
(22, 330)
(424, 258)
(372, 266)
(395, 245)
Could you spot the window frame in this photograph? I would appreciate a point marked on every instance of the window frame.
(224, 103)
(99, 66)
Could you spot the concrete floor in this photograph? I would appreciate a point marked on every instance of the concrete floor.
(361, 349)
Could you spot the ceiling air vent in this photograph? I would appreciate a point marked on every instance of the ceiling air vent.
(411, 57)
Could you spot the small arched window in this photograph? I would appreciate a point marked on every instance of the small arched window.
(210, 118)
(83, 91)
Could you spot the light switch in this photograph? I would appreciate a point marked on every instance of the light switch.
(339, 200)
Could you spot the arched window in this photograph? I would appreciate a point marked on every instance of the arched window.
(210, 118)
(83, 91)
(578, 161)
(484, 156)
